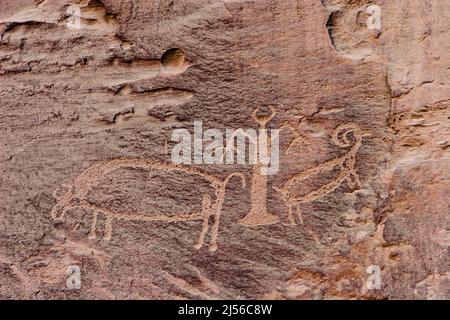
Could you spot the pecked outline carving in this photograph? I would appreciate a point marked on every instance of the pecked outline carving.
(299, 139)
(346, 165)
(76, 197)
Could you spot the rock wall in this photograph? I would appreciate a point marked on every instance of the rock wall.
(92, 91)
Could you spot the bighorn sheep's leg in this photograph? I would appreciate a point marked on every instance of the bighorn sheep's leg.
(201, 239)
(93, 226)
(63, 212)
(108, 227)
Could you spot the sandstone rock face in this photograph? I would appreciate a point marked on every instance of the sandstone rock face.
(92, 91)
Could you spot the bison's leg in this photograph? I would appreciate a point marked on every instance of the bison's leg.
(93, 226)
(201, 239)
(299, 213)
(63, 212)
(108, 227)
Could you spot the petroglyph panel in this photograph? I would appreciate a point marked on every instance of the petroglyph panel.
(160, 194)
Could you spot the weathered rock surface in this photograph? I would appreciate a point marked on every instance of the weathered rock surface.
(88, 106)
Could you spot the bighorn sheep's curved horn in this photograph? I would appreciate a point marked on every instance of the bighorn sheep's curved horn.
(55, 210)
